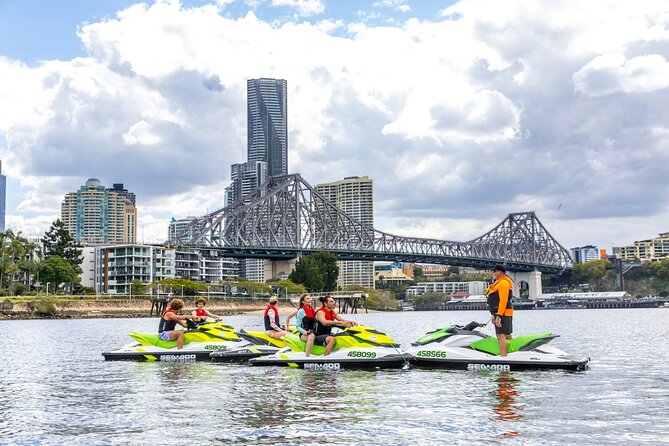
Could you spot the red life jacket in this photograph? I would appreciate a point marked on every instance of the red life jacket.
(321, 329)
(309, 318)
(201, 313)
(268, 323)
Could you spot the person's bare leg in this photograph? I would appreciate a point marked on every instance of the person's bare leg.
(330, 345)
(503, 344)
(310, 343)
(180, 338)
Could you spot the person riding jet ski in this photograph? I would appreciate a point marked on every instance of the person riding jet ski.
(169, 320)
(271, 319)
(326, 318)
(305, 321)
(201, 314)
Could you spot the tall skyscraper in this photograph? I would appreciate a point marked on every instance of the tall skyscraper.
(247, 177)
(267, 127)
(355, 196)
(97, 216)
(3, 197)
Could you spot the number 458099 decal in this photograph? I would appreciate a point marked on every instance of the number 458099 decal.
(362, 354)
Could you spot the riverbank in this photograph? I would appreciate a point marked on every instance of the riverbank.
(68, 308)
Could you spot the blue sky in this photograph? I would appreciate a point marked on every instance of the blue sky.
(459, 118)
(31, 31)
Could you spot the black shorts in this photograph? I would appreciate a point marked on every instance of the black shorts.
(321, 340)
(506, 327)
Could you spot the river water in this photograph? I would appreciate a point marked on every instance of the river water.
(55, 388)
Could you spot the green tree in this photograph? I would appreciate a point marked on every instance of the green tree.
(137, 288)
(417, 272)
(176, 285)
(58, 242)
(308, 273)
(328, 266)
(289, 285)
(56, 270)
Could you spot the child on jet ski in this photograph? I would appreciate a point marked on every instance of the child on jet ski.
(200, 314)
(326, 318)
(306, 317)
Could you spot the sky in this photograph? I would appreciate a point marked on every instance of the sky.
(460, 111)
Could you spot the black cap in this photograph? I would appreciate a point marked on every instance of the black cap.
(500, 268)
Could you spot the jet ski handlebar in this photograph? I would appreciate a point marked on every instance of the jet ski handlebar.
(474, 324)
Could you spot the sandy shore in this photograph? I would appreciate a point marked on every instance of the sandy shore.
(110, 308)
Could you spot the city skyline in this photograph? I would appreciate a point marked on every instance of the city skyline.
(566, 121)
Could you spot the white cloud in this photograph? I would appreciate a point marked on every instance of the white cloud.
(613, 73)
(304, 7)
(496, 108)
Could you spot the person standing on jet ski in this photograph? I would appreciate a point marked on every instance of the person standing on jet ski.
(272, 322)
(326, 318)
(304, 323)
(200, 314)
(499, 296)
(169, 320)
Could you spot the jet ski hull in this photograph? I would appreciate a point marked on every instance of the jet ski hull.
(336, 361)
(577, 363)
(195, 351)
(243, 354)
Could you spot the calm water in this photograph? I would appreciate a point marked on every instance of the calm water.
(57, 389)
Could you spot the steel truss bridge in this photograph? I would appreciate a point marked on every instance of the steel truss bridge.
(286, 217)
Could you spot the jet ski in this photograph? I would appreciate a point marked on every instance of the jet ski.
(464, 347)
(355, 348)
(199, 342)
(258, 344)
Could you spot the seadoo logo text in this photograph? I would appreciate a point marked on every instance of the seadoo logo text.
(495, 367)
(327, 366)
(178, 358)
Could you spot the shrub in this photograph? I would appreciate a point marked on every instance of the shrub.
(46, 307)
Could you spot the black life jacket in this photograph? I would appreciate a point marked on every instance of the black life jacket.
(268, 324)
(309, 318)
(324, 329)
(493, 302)
(167, 325)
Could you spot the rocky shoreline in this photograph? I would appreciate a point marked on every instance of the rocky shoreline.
(116, 308)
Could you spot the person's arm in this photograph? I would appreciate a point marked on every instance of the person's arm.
(503, 289)
(290, 316)
(272, 321)
(344, 322)
(212, 315)
(179, 318)
(298, 321)
(321, 318)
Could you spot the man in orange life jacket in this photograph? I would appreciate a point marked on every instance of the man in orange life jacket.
(499, 296)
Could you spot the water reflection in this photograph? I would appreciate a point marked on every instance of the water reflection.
(506, 407)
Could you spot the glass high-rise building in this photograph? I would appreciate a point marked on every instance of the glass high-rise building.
(3, 196)
(355, 196)
(97, 216)
(267, 127)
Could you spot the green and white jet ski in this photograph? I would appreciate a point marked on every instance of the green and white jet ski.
(355, 348)
(199, 342)
(464, 347)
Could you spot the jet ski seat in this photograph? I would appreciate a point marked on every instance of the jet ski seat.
(521, 343)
